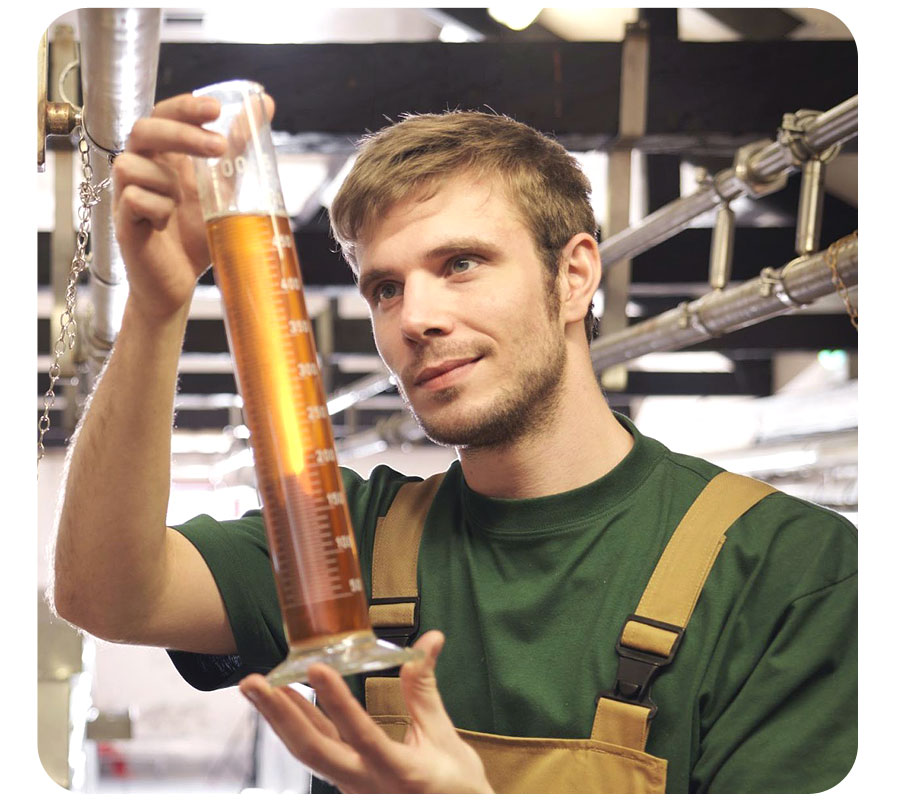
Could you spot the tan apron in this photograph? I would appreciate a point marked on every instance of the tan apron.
(613, 759)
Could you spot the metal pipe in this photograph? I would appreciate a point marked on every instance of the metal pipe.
(767, 165)
(835, 126)
(359, 390)
(774, 292)
(119, 60)
(811, 207)
(721, 250)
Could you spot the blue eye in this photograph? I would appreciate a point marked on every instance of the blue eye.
(386, 291)
(461, 265)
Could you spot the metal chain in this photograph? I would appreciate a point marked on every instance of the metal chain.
(90, 195)
(831, 255)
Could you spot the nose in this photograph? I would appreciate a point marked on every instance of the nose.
(426, 311)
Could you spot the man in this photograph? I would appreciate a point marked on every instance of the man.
(472, 238)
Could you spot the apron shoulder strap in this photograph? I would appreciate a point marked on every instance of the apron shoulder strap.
(394, 608)
(651, 636)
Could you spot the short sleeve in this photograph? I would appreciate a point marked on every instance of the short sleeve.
(237, 554)
(784, 684)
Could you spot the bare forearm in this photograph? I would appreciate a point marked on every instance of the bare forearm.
(110, 554)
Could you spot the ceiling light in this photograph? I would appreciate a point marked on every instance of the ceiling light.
(453, 33)
(514, 15)
(682, 361)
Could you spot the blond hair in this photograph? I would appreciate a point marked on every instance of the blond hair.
(410, 159)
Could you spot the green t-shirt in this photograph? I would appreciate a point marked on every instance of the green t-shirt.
(532, 595)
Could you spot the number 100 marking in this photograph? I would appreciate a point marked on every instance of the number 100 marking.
(231, 166)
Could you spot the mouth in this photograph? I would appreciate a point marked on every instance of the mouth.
(445, 373)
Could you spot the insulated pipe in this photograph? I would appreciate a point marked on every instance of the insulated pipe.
(119, 59)
(767, 165)
(774, 292)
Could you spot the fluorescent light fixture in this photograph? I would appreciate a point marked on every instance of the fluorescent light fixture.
(682, 362)
(514, 15)
(453, 33)
(770, 462)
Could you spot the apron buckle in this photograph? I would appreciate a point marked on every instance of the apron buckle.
(638, 668)
(399, 634)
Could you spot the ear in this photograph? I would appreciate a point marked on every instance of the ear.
(579, 276)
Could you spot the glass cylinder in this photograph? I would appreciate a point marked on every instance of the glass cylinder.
(311, 541)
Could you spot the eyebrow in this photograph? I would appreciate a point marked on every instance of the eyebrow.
(461, 246)
(371, 278)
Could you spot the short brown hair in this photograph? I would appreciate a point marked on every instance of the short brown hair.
(412, 156)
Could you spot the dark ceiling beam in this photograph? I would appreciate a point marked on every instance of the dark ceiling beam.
(660, 21)
(567, 88)
(749, 378)
(743, 87)
(756, 23)
(348, 89)
(802, 332)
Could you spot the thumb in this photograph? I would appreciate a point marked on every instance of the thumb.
(420, 691)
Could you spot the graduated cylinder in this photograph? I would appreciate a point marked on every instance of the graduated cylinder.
(255, 263)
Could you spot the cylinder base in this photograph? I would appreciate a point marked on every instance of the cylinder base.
(356, 653)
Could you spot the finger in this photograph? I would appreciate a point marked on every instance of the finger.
(152, 135)
(200, 109)
(269, 105)
(313, 714)
(130, 168)
(327, 757)
(354, 725)
(420, 690)
(251, 117)
(136, 205)
(188, 108)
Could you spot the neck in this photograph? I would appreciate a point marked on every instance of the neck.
(583, 442)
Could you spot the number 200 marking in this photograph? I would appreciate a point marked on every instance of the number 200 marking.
(325, 456)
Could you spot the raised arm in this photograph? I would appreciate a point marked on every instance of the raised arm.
(119, 573)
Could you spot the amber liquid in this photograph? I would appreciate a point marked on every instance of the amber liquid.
(307, 522)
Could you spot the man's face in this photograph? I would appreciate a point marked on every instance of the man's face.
(463, 316)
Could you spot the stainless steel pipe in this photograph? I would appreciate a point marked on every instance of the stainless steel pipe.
(774, 292)
(770, 163)
(119, 60)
